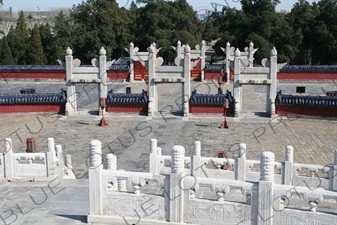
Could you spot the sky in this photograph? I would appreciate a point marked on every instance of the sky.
(198, 5)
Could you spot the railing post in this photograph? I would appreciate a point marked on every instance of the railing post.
(176, 193)
(51, 157)
(240, 163)
(236, 85)
(333, 174)
(265, 212)
(187, 82)
(196, 160)
(95, 177)
(103, 86)
(271, 95)
(71, 106)
(203, 56)
(288, 172)
(8, 159)
(132, 66)
(153, 157)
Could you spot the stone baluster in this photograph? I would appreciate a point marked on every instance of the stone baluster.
(176, 193)
(265, 189)
(221, 190)
(137, 183)
(333, 174)
(196, 160)
(122, 185)
(59, 155)
(154, 167)
(313, 198)
(8, 158)
(111, 162)
(95, 177)
(240, 163)
(287, 171)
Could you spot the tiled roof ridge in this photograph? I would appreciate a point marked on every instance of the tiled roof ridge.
(37, 98)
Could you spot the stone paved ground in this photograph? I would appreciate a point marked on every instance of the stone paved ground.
(128, 136)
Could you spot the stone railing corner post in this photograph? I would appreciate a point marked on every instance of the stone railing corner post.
(176, 192)
(95, 177)
(265, 210)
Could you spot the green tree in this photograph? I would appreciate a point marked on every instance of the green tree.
(35, 54)
(63, 35)
(100, 23)
(6, 57)
(21, 43)
(48, 44)
(165, 23)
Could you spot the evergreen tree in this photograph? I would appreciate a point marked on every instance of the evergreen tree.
(35, 54)
(21, 42)
(6, 57)
(12, 40)
(48, 44)
(63, 35)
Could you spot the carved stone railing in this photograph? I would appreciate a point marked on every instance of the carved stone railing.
(179, 197)
(248, 170)
(35, 166)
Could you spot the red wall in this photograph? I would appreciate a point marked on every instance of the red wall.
(305, 110)
(33, 75)
(46, 108)
(116, 75)
(217, 109)
(117, 107)
(306, 76)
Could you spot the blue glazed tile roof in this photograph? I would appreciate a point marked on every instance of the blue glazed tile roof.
(39, 98)
(326, 101)
(210, 99)
(119, 67)
(309, 68)
(31, 68)
(127, 98)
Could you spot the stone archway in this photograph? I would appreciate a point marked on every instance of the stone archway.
(168, 74)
